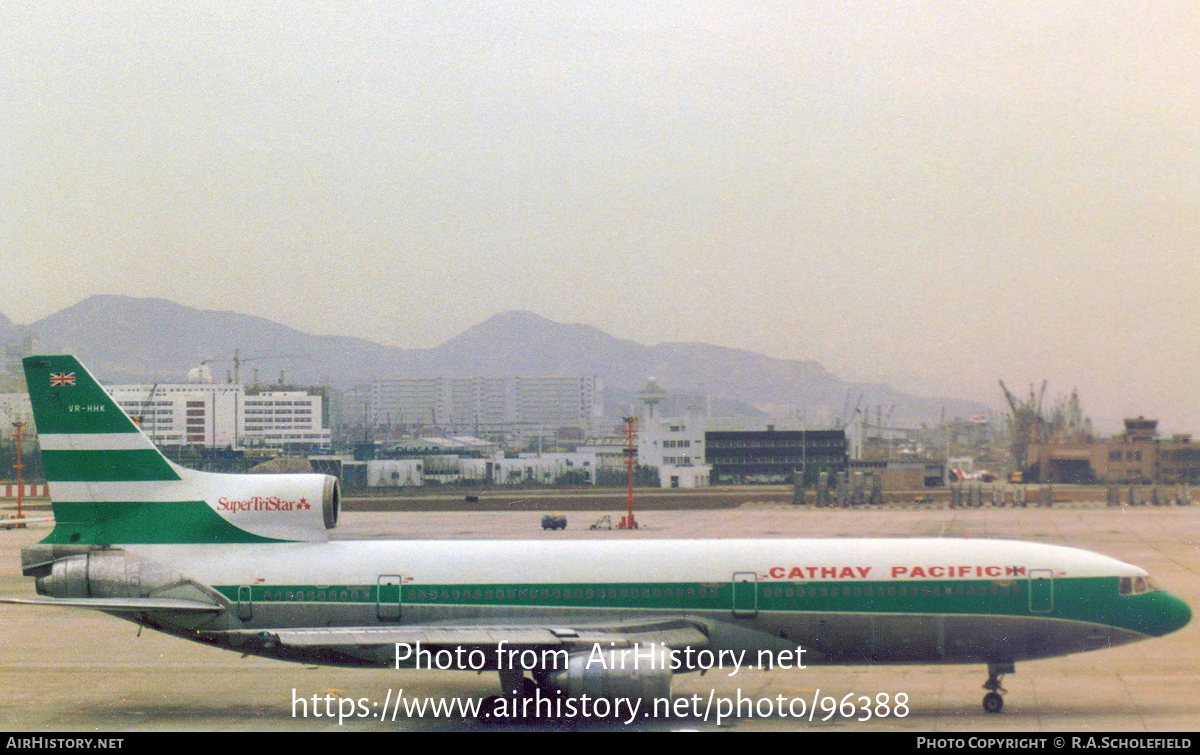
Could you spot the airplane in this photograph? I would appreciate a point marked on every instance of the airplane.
(244, 562)
(983, 475)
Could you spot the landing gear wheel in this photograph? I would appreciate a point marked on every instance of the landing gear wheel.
(992, 701)
(528, 688)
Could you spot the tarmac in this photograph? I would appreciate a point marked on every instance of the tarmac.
(77, 670)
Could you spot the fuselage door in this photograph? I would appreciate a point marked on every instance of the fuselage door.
(1041, 590)
(387, 598)
(245, 609)
(745, 594)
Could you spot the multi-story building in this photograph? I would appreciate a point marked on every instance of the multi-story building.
(220, 415)
(192, 414)
(771, 455)
(674, 445)
(1137, 455)
(284, 419)
(498, 408)
(15, 407)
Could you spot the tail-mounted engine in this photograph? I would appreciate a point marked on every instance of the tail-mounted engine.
(104, 573)
(297, 507)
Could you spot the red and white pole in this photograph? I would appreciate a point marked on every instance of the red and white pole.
(20, 426)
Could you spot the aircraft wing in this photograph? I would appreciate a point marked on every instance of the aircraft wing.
(121, 605)
(677, 633)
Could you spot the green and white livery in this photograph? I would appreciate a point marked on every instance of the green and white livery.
(243, 562)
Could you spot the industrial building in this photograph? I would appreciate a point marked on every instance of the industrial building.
(1137, 455)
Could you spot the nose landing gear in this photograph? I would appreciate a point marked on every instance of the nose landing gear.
(992, 701)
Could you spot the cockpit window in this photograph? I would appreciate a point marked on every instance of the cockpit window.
(1137, 585)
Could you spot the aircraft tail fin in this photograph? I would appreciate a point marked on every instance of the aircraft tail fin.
(109, 483)
(84, 435)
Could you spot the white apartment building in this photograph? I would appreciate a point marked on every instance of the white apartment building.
(219, 415)
(275, 419)
(204, 414)
(493, 407)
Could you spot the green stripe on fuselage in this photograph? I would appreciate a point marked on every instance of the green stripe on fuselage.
(1093, 600)
(146, 465)
(131, 523)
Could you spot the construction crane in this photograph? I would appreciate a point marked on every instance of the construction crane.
(238, 360)
(1026, 424)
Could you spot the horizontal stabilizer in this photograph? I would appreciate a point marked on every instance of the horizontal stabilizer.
(121, 605)
(15, 523)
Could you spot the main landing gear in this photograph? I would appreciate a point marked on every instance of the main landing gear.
(992, 701)
(516, 687)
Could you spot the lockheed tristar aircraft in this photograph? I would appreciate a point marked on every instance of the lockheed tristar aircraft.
(243, 562)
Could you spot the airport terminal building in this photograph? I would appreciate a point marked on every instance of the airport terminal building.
(774, 456)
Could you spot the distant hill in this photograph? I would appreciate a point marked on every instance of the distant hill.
(128, 339)
(133, 339)
(9, 331)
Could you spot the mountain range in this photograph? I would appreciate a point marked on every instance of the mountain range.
(126, 339)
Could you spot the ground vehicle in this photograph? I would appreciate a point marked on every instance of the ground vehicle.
(554, 522)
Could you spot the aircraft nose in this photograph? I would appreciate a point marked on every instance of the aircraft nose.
(1169, 614)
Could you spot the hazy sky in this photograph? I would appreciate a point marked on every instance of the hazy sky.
(938, 194)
